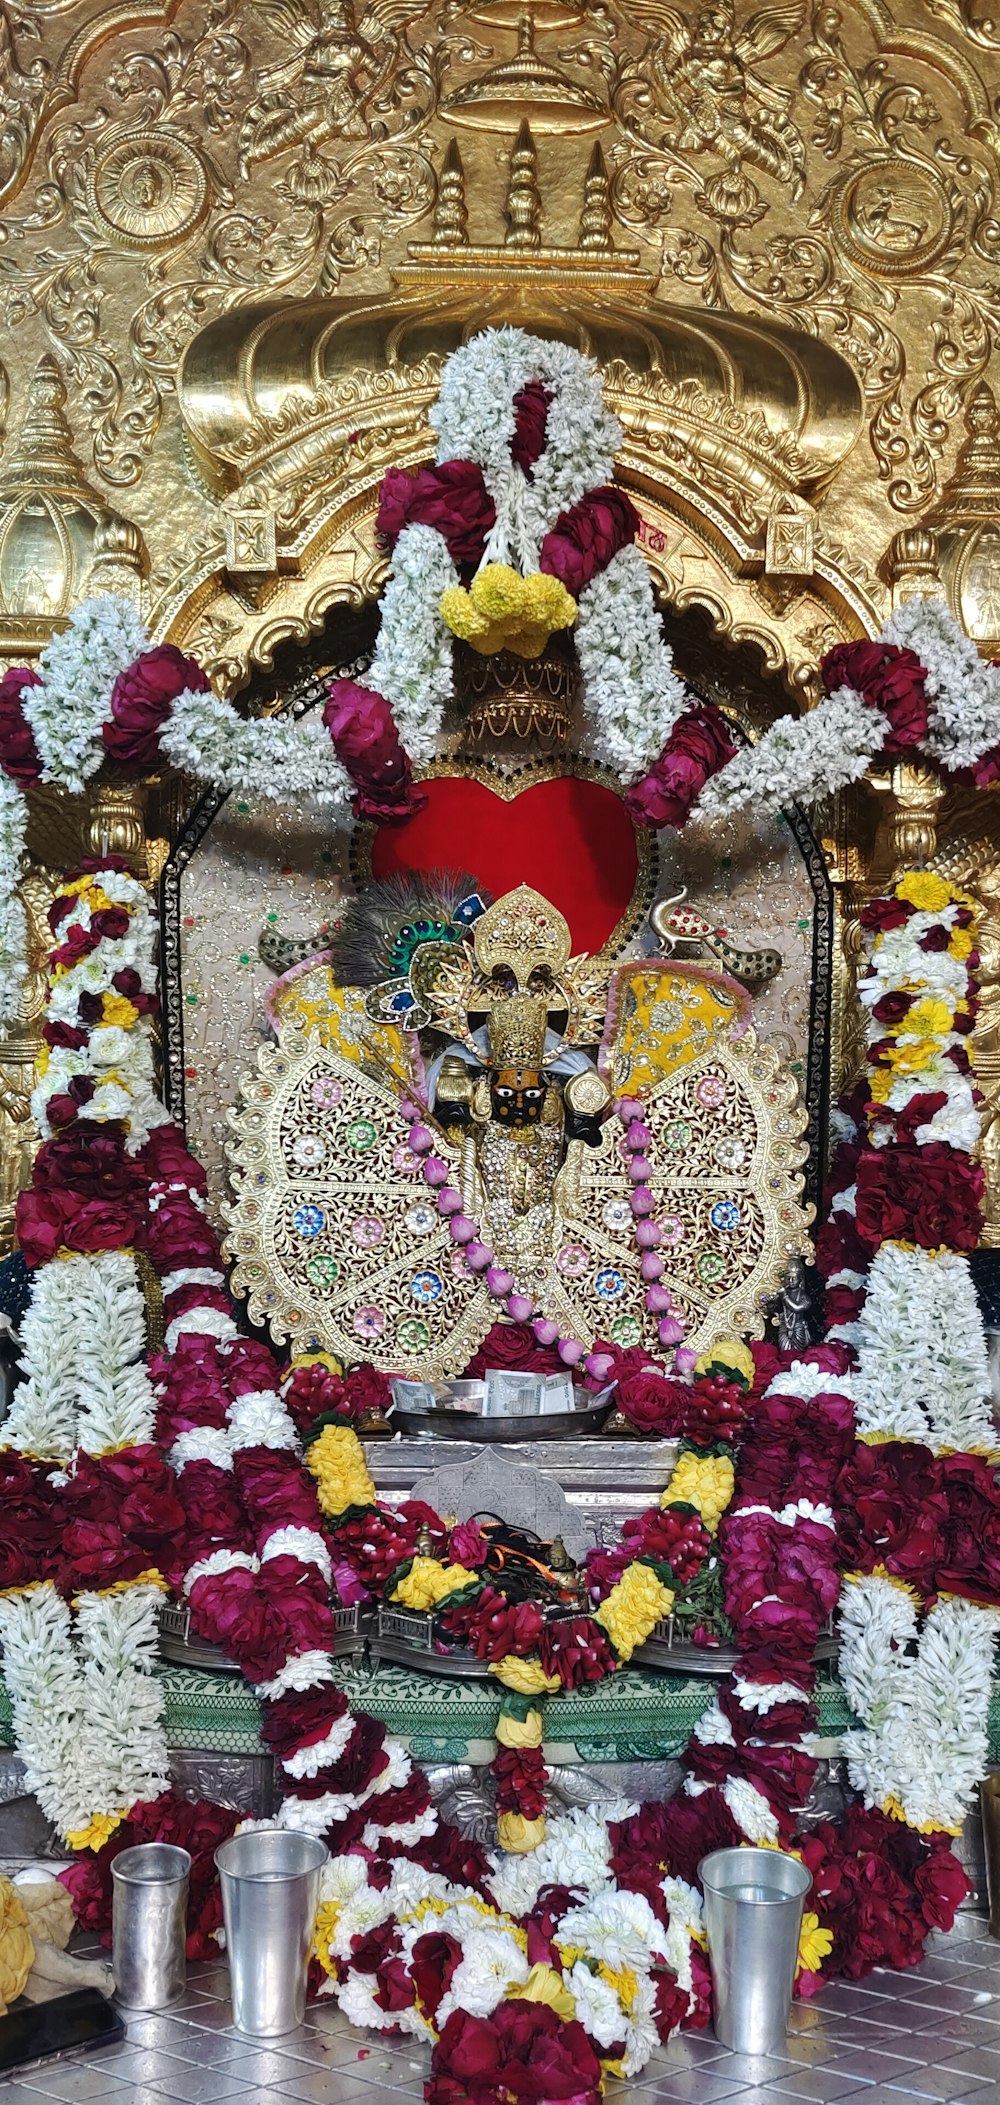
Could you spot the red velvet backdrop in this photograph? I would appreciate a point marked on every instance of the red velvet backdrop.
(572, 840)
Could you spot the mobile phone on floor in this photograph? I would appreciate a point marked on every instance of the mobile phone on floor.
(69, 2024)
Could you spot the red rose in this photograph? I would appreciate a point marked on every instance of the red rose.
(941, 1886)
(717, 1410)
(435, 1958)
(523, 2051)
(531, 412)
(575, 1647)
(110, 923)
(650, 1401)
(95, 1554)
(276, 1490)
(19, 756)
(451, 497)
(177, 1235)
(586, 536)
(513, 1345)
(166, 1158)
(882, 915)
(500, 1626)
(926, 1195)
(363, 729)
(141, 699)
(890, 680)
(213, 1509)
(364, 1758)
(520, 1779)
(698, 746)
(47, 1222)
(300, 1719)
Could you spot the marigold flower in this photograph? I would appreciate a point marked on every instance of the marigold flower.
(926, 891)
(504, 611)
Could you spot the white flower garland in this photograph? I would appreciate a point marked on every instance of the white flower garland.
(963, 690)
(13, 926)
(82, 1343)
(922, 1368)
(413, 666)
(272, 757)
(69, 708)
(475, 420)
(923, 1743)
(800, 759)
(631, 693)
(87, 1709)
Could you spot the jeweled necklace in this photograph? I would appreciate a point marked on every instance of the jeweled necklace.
(479, 1256)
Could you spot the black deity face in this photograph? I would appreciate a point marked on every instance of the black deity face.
(517, 1095)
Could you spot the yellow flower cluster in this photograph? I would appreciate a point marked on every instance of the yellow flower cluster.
(117, 1008)
(337, 1461)
(730, 1357)
(544, 1984)
(705, 1482)
(17, 1952)
(895, 1810)
(427, 1582)
(632, 1607)
(928, 892)
(815, 1945)
(504, 611)
(96, 1832)
(526, 1677)
(520, 1732)
(518, 1836)
(324, 1930)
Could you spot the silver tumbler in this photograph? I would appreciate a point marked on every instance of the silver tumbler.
(149, 1925)
(753, 1916)
(270, 1893)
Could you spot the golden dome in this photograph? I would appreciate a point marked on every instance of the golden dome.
(52, 524)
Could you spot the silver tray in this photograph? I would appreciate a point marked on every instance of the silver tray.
(180, 1648)
(468, 1425)
(677, 1656)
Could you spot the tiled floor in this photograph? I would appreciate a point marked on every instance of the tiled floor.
(894, 2040)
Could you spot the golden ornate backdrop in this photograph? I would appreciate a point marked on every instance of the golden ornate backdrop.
(236, 241)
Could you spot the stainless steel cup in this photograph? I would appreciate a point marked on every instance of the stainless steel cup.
(270, 1892)
(149, 1925)
(753, 1916)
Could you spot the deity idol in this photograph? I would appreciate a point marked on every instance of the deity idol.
(462, 1120)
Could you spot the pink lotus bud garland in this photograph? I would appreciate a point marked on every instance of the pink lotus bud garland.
(479, 1257)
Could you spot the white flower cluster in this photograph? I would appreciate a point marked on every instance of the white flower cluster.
(618, 1942)
(271, 757)
(13, 928)
(922, 1371)
(631, 693)
(88, 1712)
(83, 1343)
(474, 419)
(964, 691)
(923, 1744)
(412, 666)
(800, 759)
(68, 710)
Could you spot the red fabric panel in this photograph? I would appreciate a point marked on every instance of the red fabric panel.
(573, 841)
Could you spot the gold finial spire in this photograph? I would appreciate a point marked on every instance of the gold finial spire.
(451, 218)
(595, 219)
(42, 453)
(523, 209)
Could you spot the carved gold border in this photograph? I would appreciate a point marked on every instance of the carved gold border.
(508, 784)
